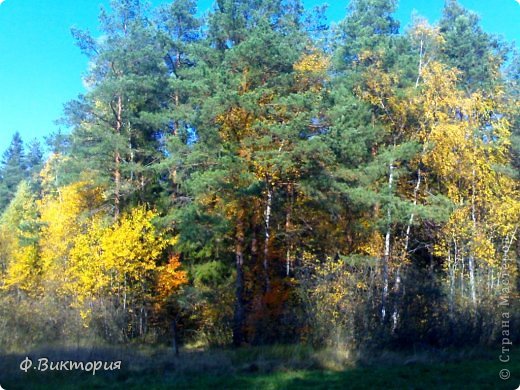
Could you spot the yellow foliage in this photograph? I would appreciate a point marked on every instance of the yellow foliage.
(464, 143)
(131, 246)
(50, 174)
(23, 271)
(19, 257)
(86, 275)
(373, 246)
(63, 220)
(119, 260)
(311, 70)
(170, 278)
(427, 40)
(235, 123)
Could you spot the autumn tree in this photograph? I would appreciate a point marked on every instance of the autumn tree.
(116, 266)
(63, 215)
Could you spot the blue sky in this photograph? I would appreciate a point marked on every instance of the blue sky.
(41, 68)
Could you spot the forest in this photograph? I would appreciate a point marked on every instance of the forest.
(253, 177)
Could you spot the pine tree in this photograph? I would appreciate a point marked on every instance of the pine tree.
(257, 133)
(12, 170)
(369, 26)
(34, 158)
(181, 31)
(34, 164)
(120, 140)
(467, 47)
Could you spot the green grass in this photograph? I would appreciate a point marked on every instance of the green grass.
(280, 368)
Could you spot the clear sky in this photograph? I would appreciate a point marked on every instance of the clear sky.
(41, 68)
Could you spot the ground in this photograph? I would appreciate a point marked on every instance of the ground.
(281, 367)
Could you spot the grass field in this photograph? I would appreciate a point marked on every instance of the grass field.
(268, 368)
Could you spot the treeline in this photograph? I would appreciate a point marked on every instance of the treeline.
(256, 176)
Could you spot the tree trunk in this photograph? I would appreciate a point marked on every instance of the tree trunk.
(175, 130)
(452, 271)
(412, 214)
(288, 238)
(239, 315)
(473, 291)
(421, 54)
(397, 285)
(267, 215)
(397, 289)
(175, 338)
(117, 160)
(471, 259)
(386, 255)
(463, 267)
